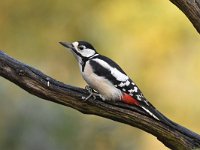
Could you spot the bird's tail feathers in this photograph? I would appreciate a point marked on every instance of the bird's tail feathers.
(152, 111)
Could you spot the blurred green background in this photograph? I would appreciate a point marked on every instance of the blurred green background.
(151, 40)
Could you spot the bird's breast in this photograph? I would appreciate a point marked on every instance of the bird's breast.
(100, 84)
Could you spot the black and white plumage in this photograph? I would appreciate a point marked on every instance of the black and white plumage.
(107, 78)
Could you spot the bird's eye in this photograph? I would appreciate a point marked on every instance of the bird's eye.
(81, 47)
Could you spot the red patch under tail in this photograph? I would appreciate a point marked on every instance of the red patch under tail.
(129, 99)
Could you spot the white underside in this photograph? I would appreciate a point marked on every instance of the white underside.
(100, 84)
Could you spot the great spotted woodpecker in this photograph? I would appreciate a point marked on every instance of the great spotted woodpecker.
(107, 78)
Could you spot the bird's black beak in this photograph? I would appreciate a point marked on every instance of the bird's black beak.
(68, 45)
(71, 47)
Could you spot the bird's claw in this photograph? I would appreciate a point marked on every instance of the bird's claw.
(89, 96)
(92, 93)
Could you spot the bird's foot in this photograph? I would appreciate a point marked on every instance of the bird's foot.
(92, 93)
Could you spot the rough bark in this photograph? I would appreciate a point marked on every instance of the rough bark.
(191, 8)
(47, 88)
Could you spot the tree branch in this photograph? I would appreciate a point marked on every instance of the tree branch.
(191, 8)
(43, 86)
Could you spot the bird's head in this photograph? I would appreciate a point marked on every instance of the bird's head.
(81, 49)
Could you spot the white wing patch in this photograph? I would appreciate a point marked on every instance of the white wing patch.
(133, 90)
(127, 83)
(122, 84)
(116, 73)
(124, 89)
(139, 97)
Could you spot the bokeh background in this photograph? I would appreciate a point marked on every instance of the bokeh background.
(152, 41)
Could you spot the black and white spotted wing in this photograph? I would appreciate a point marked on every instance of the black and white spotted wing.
(105, 67)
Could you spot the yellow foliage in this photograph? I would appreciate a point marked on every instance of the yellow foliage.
(152, 40)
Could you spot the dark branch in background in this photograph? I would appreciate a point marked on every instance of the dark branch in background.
(191, 8)
(35, 82)
(43, 86)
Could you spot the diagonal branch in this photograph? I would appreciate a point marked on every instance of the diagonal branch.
(47, 88)
(191, 8)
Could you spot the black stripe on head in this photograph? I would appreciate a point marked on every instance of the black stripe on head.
(86, 44)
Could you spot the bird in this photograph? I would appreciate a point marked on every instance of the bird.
(107, 78)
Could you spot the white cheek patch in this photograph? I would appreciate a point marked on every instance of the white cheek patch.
(87, 52)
